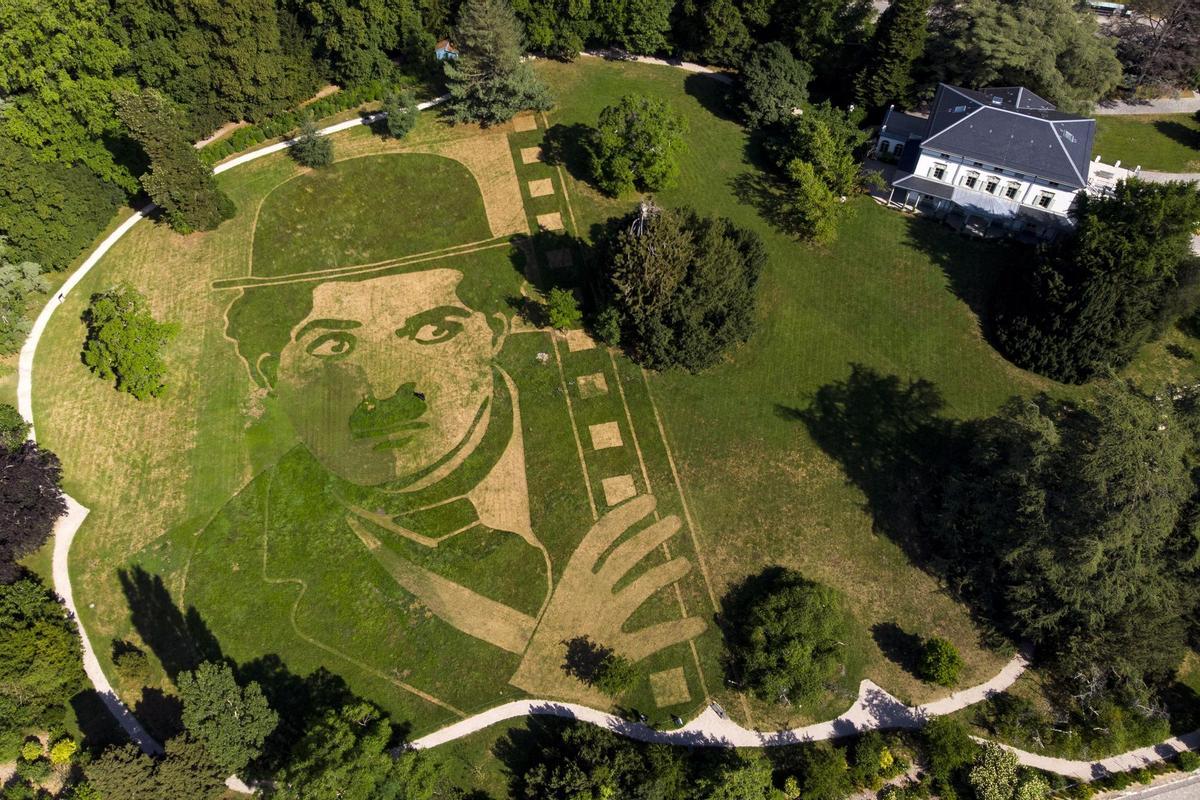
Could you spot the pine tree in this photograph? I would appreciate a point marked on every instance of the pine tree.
(177, 182)
(489, 83)
(897, 46)
(311, 149)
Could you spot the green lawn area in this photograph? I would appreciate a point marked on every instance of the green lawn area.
(1166, 142)
(224, 520)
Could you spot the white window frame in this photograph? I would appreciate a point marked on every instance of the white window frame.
(936, 168)
(993, 181)
(884, 146)
(1011, 190)
(971, 179)
(1044, 199)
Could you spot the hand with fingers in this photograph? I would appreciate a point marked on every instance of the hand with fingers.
(586, 602)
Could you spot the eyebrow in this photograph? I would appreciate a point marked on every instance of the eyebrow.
(327, 324)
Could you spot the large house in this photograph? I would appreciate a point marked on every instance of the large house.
(993, 161)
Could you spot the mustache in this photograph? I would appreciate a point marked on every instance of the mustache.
(374, 417)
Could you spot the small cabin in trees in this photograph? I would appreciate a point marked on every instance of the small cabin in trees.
(995, 162)
(445, 49)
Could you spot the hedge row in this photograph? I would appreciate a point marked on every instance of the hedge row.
(288, 121)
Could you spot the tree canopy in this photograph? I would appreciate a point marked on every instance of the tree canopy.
(17, 282)
(896, 50)
(489, 82)
(684, 285)
(635, 145)
(41, 667)
(786, 636)
(125, 342)
(1091, 301)
(1051, 47)
(230, 720)
(177, 182)
(31, 500)
(773, 84)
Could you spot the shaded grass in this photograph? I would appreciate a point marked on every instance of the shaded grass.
(1166, 142)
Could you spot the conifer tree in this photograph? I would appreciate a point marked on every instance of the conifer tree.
(897, 46)
(177, 181)
(489, 83)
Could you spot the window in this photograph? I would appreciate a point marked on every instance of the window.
(883, 147)
(990, 184)
(971, 180)
(977, 163)
(898, 149)
(938, 171)
(1010, 191)
(1044, 199)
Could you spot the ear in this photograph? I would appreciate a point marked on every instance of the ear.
(266, 371)
(500, 329)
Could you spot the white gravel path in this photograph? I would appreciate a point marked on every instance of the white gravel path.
(1161, 105)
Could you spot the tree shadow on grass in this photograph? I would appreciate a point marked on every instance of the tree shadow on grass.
(563, 146)
(1183, 134)
(973, 268)
(713, 93)
(768, 196)
(898, 645)
(182, 641)
(584, 659)
(97, 725)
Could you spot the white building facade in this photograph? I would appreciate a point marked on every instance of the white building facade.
(995, 162)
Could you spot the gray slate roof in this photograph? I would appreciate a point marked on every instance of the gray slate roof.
(902, 126)
(1013, 128)
(926, 186)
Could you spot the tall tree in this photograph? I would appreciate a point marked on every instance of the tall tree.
(896, 47)
(1096, 297)
(50, 211)
(635, 145)
(311, 149)
(773, 85)
(489, 82)
(59, 69)
(785, 635)
(1048, 46)
(31, 501)
(182, 186)
(125, 342)
(41, 665)
(684, 285)
(220, 61)
(1160, 43)
(345, 756)
(1095, 580)
(17, 282)
(230, 720)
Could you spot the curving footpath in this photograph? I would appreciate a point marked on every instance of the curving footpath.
(874, 709)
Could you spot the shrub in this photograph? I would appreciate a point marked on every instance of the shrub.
(13, 427)
(563, 309)
(132, 663)
(63, 751)
(607, 326)
(940, 662)
(31, 750)
(34, 770)
(1188, 760)
(615, 675)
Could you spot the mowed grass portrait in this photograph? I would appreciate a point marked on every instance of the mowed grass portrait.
(369, 461)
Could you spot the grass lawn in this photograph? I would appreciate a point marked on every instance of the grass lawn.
(223, 519)
(1166, 142)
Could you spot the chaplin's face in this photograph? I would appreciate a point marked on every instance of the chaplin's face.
(387, 376)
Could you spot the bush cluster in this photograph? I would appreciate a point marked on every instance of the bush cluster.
(289, 121)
